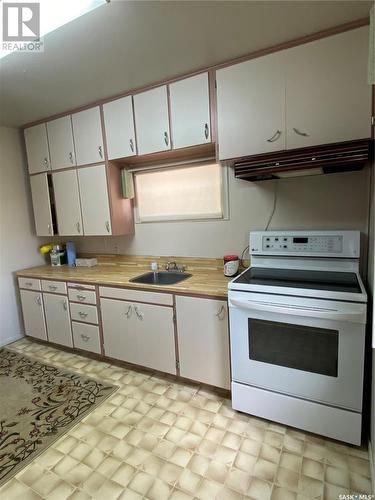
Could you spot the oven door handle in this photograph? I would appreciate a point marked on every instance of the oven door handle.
(357, 316)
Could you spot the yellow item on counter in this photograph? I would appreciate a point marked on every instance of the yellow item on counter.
(44, 249)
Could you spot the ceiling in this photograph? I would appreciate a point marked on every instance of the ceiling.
(128, 44)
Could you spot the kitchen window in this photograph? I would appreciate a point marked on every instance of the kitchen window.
(188, 192)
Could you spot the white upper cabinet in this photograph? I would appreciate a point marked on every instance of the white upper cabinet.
(152, 121)
(327, 96)
(68, 207)
(251, 107)
(119, 128)
(94, 201)
(88, 138)
(61, 145)
(41, 205)
(190, 111)
(37, 148)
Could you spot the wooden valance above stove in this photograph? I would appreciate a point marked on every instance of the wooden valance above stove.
(316, 160)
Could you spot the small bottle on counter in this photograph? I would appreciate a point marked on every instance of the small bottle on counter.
(231, 265)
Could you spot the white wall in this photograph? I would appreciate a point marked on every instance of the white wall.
(18, 243)
(338, 201)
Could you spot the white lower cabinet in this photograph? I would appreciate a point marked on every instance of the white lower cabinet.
(139, 333)
(33, 315)
(58, 319)
(203, 340)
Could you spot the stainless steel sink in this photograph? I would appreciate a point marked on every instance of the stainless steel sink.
(161, 278)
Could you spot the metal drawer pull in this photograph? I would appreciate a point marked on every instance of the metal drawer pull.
(52, 287)
(131, 145)
(28, 283)
(71, 157)
(81, 297)
(298, 132)
(128, 312)
(275, 136)
(38, 300)
(100, 149)
(166, 138)
(221, 313)
(206, 131)
(108, 227)
(65, 306)
(85, 338)
(138, 313)
(82, 314)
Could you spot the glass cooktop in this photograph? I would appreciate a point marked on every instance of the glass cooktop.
(299, 278)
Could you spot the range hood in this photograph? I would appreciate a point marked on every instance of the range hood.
(316, 160)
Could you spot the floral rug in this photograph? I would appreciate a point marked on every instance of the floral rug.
(38, 404)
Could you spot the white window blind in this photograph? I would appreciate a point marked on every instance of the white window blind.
(192, 192)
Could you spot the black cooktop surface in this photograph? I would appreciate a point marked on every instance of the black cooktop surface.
(299, 278)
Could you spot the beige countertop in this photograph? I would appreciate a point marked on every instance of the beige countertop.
(114, 270)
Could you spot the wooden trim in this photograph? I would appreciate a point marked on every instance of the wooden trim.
(176, 347)
(169, 107)
(100, 321)
(258, 53)
(213, 108)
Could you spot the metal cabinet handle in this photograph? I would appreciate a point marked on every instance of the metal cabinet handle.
(166, 138)
(100, 149)
(78, 227)
(131, 145)
(65, 305)
(82, 314)
(46, 164)
(221, 313)
(52, 287)
(298, 132)
(108, 227)
(49, 228)
(206, 130)
(81, 297)
(275, 136)
(128, 312)
(85, 338)
(138, 313)
(38, 300)
(71, 158)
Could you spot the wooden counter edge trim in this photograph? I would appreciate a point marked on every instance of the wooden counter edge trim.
(129, 286)
(341, 28)
(224, 393)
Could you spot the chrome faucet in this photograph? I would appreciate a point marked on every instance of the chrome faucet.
(173, 266)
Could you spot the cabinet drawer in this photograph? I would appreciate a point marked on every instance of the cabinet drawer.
(29, 283)
(165, 299)
(82, 312)
(83, 296)
(54, 286)
(86, 337)
(81, 286)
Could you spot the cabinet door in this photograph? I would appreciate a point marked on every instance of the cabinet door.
(203, 340)
(41, 204)
(33, 315)
(152, 121)
(119, 128)
(251, 107)
(88, 139)
(155, 336)
(58, 319)
(61, 146)
(37, 148)
(328, 99)
(190, 111)
(94, 201)
(68, 207)
(119, 333)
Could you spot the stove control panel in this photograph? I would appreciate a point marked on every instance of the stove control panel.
(310, 244)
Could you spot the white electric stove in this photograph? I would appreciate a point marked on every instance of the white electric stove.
(297, 323)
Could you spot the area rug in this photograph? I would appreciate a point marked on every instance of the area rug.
(38, 404)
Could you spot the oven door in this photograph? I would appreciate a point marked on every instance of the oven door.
(309, 348)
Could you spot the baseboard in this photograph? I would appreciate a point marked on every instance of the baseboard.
(371, 467)
(9, 340)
